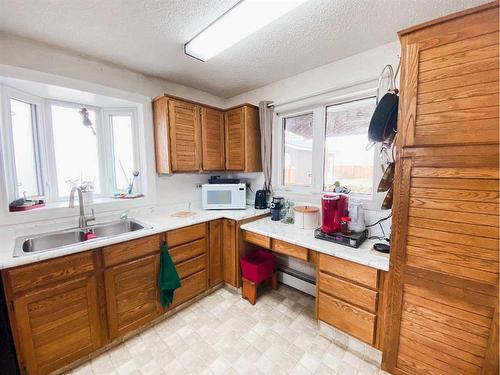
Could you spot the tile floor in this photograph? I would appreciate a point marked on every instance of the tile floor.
(224, 334)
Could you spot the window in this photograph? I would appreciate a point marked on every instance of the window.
(55, 145)
(76, 153)
(328, 144)
(297, 152)
(24, 135)
(346, 158)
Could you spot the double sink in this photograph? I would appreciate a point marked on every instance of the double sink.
(55, 240)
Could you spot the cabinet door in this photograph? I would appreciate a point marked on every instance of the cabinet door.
(160, 119)
(132, 294)
(57, 325)
(212, 135)
(235, 139)
(185, 137)
(229, 257)
(215, 252)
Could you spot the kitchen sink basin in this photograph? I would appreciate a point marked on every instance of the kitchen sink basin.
(56, 240)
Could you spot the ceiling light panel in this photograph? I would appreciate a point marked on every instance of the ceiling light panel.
(243, 19)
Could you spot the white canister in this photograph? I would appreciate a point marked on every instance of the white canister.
(306, 217)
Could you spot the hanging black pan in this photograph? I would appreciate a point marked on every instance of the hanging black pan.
(384, 122)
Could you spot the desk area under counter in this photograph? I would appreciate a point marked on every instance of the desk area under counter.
(350, 283)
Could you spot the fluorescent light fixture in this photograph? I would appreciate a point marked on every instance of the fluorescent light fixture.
(237, 23)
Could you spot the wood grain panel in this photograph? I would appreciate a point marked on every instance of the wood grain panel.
(470, 91)
(191, 286)
(50, 271)
(489, 76)
(455, 227)
(357, 273)
(289, 249)
(212, 133)
(216, 245)
(160, 120)
(349, 292)
(451, 205)
(187, 251)
(474, 131)
(458, 116)
(346, 317)
(185, 136)
(456, 194)
(129, 250)
(436, 172)
(486, 243)
(230, 257)
(453, 183)
(132, 295)
(257, 239)
(235, 139)
(462, 69)
(188, 267)
(179, 236)
(459, 104)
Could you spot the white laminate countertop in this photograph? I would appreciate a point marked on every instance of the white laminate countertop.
(290, 233)
(161, 220)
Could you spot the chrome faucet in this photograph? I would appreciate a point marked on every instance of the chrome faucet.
(83, 221)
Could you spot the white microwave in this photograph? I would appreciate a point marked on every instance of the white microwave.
(223, 196)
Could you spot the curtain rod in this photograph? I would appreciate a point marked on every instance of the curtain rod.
(322, 92)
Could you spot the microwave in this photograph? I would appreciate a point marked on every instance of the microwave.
(224, 196)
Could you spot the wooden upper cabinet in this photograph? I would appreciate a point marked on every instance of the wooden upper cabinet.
(212, 135)
(185, 136)
(192, 137)
(57, 325)
(243, 139)
(132, 294)
(449, 78)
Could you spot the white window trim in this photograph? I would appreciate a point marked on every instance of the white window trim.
(318, 108)
(46, 152)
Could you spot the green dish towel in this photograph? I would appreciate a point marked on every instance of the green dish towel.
(168, 278)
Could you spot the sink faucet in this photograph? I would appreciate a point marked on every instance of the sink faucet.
(82, 219)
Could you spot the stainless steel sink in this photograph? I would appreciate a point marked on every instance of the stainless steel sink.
(55, 240)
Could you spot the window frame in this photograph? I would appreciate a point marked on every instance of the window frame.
(45, 152)
(319, 110)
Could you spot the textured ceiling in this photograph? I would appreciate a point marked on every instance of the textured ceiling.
(148, 35)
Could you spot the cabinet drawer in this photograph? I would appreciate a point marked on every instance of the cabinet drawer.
(257, 239)
(349, 270)
(292, 250)
(191, 266)
(187, 251)
(191, 286)
(346, 317)
(53, 270)
(129, 250)
(186, 234)
(357, 295)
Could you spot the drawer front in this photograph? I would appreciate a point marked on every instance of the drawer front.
(191, 266)
(358, 273)
(187, 251)
(292, 250)
(191, 286)
(53, 270)
(346, 317)
(187, 234)
(257, 239)
(357, 295)
(125, 251)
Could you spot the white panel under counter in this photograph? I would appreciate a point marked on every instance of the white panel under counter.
(364, 255)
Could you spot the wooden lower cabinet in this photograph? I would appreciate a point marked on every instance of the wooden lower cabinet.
(229, 252)
(132, 295)
(215, 252)
(191, 286)
(57, 325)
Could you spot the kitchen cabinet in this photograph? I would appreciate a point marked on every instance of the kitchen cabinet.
(229, 252)
(216, 245)
(188, 248)
(442, 314)
(348, 297)
(132, 294)
(243, 139)
(55, 319)
(193, 137)
(212, 136)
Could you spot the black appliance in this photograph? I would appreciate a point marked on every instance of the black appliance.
(355, 239)
(8, 361)
(276, 208)
(261, 199)
(219, 180)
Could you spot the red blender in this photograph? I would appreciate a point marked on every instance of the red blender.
(334, 207)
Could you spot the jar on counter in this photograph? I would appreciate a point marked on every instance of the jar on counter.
(344, 225)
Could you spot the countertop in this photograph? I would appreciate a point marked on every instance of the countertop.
(161, 220)
(289, 233)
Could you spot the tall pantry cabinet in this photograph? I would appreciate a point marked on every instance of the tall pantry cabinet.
(442, 315)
